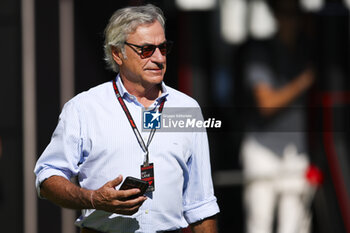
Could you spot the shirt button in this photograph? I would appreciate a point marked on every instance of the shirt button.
(146, 212)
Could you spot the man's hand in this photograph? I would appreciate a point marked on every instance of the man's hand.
(116, 201)
(64, 193)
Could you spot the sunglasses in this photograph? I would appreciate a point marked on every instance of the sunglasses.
(147, 50)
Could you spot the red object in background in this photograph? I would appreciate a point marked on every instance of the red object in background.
(329, 101)
(314, 175)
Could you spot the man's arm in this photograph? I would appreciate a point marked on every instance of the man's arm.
(208, 225)
(270, 99)
(68, 195)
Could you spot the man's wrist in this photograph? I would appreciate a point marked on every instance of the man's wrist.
(92, 199)
(207, 225)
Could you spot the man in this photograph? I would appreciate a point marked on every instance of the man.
(97, 140)
(274, 151)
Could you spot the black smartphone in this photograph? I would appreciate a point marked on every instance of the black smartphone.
(132, 182)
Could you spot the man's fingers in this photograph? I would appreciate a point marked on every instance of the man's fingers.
(129, 211)
(119, 201)
(133, 202)
(125, 194)
(115, 182)
(130, 206)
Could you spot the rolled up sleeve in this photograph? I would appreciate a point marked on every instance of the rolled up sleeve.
(61, 157)
(199, 199)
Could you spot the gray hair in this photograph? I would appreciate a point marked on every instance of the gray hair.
(125, 21)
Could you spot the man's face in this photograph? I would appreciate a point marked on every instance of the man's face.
(145, 71)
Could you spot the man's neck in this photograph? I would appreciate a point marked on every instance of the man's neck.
(145, 94)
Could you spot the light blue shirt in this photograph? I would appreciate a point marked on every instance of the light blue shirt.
(94, 141)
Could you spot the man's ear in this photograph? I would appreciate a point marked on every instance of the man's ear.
(117, 55)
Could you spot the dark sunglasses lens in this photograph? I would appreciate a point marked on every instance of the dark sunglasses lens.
(148, 50)
(163, 48)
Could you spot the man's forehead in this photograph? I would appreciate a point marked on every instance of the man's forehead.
(148, 30)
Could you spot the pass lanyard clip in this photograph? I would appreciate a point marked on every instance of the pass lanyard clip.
(137, 133)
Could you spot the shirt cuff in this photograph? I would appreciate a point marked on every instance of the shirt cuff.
(202, 210)
(45, 174)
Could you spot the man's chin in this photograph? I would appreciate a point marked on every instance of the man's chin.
(155, 72)
(155, 79)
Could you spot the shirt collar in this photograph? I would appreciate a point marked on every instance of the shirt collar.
(122, 90)
(126, 95)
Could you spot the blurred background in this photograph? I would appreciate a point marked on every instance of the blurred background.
(52, 50)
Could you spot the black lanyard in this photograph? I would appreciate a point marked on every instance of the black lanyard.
(142, 144)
